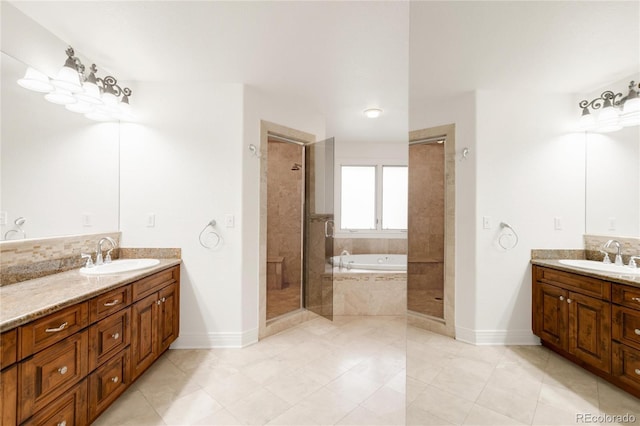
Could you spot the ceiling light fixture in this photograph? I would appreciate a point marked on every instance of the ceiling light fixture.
(100, 99)
(373, 112)
(615, 113)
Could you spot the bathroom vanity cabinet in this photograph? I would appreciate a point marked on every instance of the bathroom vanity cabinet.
(592, 322)
(67, 367)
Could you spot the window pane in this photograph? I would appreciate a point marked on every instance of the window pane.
(394, 197)
(358, 197)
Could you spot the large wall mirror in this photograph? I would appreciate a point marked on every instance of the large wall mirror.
(59, 171)
(613, 183)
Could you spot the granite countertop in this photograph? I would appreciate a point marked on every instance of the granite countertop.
(28, 300)
(632, 280)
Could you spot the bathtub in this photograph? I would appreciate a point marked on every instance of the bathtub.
(371, 262)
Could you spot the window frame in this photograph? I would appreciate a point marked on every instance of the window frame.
(365, 233)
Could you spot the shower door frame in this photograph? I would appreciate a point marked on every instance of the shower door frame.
(446, 325)
(283, 322)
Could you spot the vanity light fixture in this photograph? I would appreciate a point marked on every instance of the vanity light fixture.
(615, 113)
(373, 112)
(100, 99)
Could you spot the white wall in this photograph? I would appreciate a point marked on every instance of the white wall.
(182, 161)
(461, 111)
(262, 106)
(530, 170)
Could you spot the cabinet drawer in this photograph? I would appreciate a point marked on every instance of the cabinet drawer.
(46, 331)
(626, 326)
(151, 284)
(9, 396)
(8, 348)
(49, 373)
(68, 410)
(104, 305)
(626, 364)
(109, 336)
(626, 296)
(108, 382)
(573, 282)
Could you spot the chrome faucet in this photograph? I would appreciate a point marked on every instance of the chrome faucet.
(99, 260)
(618, 260)
(632, 261)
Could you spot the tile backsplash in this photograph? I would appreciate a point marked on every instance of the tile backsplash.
(629, 246)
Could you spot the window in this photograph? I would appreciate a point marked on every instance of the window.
(373, 198)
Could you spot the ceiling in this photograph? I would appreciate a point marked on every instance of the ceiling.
(339, 57)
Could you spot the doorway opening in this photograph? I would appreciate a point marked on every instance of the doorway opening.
(431, 229)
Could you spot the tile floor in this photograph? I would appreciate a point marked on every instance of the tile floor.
(365, 371)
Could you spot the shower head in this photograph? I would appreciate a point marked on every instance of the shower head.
(296, 166)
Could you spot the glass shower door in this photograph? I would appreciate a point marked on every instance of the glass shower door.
(319, 228)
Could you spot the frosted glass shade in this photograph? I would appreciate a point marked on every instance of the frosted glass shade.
(608, 120)
(80, 107)
(90, 94)
(631, 106)
(67, 79)
(100, 114)
(61, 97)
(36, 81)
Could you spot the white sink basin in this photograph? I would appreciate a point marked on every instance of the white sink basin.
(599, 266)
(119, 266)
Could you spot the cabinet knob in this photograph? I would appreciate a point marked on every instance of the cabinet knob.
(115, 379)
(58, 328)
(158, 302)
(63, 423)
(62, 370)
(561, 297)
(637, 371)
(636, 299)
(112, 303)
(569, 300)
(637, 331)
(115, 335)
(163, 300)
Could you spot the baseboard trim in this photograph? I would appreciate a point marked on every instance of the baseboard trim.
(496, 337)
(216, 340)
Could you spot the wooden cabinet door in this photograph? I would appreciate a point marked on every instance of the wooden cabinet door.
(9, 396)
(551, 314)
(168, 322)
(144, 339)
(590, 330)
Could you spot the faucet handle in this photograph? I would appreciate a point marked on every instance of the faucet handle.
(632, 261)
(107, 258)
(605, 259)
(89, 263)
